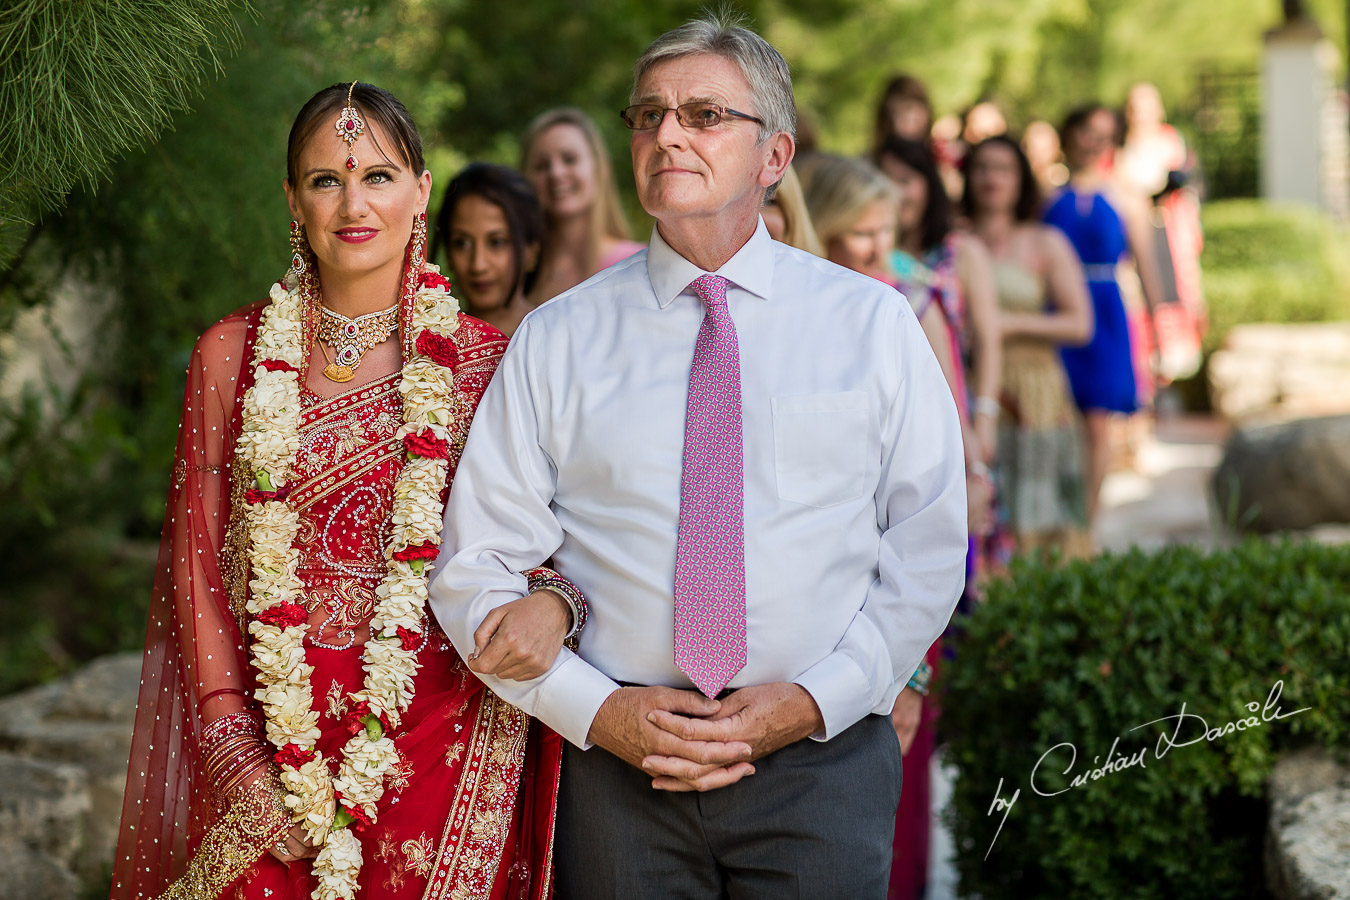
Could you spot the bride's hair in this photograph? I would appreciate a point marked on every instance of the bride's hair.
(376, 105)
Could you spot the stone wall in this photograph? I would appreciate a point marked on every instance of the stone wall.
(1278, 372)
(1308, 844)
(63, 768)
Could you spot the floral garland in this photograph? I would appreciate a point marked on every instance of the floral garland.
(332, 808)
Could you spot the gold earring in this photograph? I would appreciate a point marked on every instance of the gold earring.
(299, 246)
(419, 238)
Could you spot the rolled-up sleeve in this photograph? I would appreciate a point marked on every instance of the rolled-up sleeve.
(921, 512)
(498, 523)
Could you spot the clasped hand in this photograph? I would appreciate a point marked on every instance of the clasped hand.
(687, 742)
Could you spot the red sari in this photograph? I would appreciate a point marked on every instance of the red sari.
(468, 810)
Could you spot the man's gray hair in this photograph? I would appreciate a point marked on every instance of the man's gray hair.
(722, 34)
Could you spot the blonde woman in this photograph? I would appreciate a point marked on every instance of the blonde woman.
(566, 161)
(787, 218)
(856, 211)
(854, 208)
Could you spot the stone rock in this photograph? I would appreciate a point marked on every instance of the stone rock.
(84, 719)
(31, 875)
(1286, 477)
(44, 806)
(1308, 841)
(1282, 371)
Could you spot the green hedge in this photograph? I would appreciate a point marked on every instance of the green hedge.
(1084, 653)
(1272, 263)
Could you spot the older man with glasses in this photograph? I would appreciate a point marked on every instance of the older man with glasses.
(748, 460)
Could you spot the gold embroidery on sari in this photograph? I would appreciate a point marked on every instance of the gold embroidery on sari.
(400, 773)
(337, 701)
(245, 831)
(234, 563)
(480, 819)
(420, 854)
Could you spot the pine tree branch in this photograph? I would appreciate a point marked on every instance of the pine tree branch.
(82, 83)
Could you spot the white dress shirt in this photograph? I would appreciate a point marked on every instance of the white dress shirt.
(855, 506)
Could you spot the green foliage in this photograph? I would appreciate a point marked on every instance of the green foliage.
(81, 83)
(1267, 263)
(1083, 654)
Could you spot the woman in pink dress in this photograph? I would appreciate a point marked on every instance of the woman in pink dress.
(304, 728)
(565, 159)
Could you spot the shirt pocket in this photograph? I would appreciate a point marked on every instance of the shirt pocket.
(820, 447)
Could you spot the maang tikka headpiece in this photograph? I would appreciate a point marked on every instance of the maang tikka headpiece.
(350, 126)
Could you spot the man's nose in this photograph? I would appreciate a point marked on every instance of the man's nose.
(670, 132)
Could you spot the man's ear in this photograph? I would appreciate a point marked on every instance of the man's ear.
(779, 151)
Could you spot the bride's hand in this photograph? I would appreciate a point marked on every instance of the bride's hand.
(294, 845)
(520, 639)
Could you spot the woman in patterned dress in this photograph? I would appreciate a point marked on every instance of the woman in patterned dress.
(463, 805)
(856, 209)
(1044, 304)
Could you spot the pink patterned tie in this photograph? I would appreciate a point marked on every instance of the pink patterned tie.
(710, 552)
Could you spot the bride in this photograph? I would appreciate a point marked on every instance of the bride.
(305, 729)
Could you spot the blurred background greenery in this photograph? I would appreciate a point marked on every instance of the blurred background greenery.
(142, 150)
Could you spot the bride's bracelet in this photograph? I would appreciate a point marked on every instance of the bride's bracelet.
(232, 748)
(545, 579)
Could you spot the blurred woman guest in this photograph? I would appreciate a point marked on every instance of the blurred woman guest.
(1044, 306)
(565, 159)
(904, 112)
(1156, 162)
(492, 229)
(1152, 149)
(1104, 230)
(953, 270)
(786, 216)
(1040, 141)
(305, 729)
(856, 208)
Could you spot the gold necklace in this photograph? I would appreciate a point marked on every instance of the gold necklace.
(351, 338)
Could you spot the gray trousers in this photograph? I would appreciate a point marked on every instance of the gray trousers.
(816, 821)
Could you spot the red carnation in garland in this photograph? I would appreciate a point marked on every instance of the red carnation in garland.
(354, 716)
(358, 712)
(360, 819)
(255, 495)
(434, 280)
(284, 615)
(411, 639)
(293, 756)
(438, 348)
(426, 444)
(278, 365)
(426, 550)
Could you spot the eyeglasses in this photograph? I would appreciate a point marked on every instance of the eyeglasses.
(695, 114)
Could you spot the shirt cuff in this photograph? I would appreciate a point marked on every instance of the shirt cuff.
(570, 698)
(841, 692)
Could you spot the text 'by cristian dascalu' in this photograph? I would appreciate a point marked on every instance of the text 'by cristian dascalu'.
(1189, 729)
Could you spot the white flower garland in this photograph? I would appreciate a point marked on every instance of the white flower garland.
(268, 445)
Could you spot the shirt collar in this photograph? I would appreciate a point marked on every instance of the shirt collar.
(751, 269)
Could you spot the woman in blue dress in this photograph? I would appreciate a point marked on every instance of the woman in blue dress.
(1101, 372)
